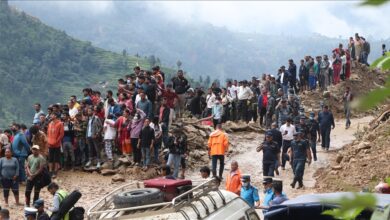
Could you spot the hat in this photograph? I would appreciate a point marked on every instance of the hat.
(246, 177)
(268, 133)
(35, 147)
(28, 211)
(267, 180)
(39, 203)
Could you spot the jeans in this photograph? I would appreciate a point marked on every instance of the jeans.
(10, 184)
(285, 90)
(137, 155)
(146, 154)
(156, 149)
(262, 112)
(243, 110)
(108, 148)
(67, 148)
(22, 171)
(269, 168)
(347, 112)
(175, 159)
(164, 129)
(325, 133)
(83, 150)
(29, 186)
(214, 160)
(299, 169)
(286, 146)
(94, 148)
(313, 146)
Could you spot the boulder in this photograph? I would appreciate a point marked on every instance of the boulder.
(363, 146)
(339, 158)
(118, 178)
(124, 160)
(108, 172)
(337, 167)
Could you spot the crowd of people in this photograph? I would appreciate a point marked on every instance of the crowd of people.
(135, 120)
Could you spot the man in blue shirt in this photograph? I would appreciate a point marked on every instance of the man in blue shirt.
(248, 192)
(20, 149)
(268, 193)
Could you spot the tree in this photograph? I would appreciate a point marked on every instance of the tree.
(207, 81)
(179, 63)
(124, 52)
(152, 61)
(200, 79)
(158, 61)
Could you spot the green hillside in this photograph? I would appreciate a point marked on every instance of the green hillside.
(41, 64)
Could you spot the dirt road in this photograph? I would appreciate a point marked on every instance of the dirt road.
(93, 185)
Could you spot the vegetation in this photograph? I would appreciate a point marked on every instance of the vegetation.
(41, 64)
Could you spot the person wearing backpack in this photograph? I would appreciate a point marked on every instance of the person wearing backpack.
(58, 196)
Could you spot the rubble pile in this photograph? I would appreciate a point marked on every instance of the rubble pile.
(362, 81)
(197, 137)
(361, 164)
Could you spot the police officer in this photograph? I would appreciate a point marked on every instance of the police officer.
(30, 213)
(285, 112)
(271, 154)
(300, 152)
(314, 129)
(248, 192)
(303, 128)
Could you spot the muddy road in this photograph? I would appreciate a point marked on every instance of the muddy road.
(93, 186)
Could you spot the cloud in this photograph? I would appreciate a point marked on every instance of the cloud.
(275, 17)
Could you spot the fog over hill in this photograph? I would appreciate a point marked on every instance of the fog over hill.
(207, 43)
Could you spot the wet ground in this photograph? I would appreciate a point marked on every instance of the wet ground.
(93, 185)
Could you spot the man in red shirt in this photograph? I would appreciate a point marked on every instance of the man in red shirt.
(55, 133)
(171, 96)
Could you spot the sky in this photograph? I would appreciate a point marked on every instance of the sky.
(329, 18)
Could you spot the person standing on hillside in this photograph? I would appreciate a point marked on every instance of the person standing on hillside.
(303, 75)
(218, 144)
(292, 69)
(20, 149)
(244, 95)
(300, 151)
(38, 112)
(270, 110)
(384, 51)
(347, 99)
(262, 106)
(94, 135)
(67, 141)
(34, 168)
(55, 133)
(39, 138)
(146, 142)
(180, 85)
(326, 121)
(232, 92)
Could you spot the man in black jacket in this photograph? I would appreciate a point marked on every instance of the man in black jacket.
(326, 121)
(180, 85)
(292, 69)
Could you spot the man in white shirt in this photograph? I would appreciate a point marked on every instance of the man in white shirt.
(288, 131)
(244, 95)
(232, 91)
(210, 101)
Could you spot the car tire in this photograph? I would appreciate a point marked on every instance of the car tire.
(137, 198)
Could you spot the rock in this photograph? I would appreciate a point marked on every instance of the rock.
(190, 129)
(334, 172)
(108, 172)
(124, 160)
(337, 167)
(326, 94)
(203, 134)
(118, 178)
(339, 158)
(363, 145)
(106, 165)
